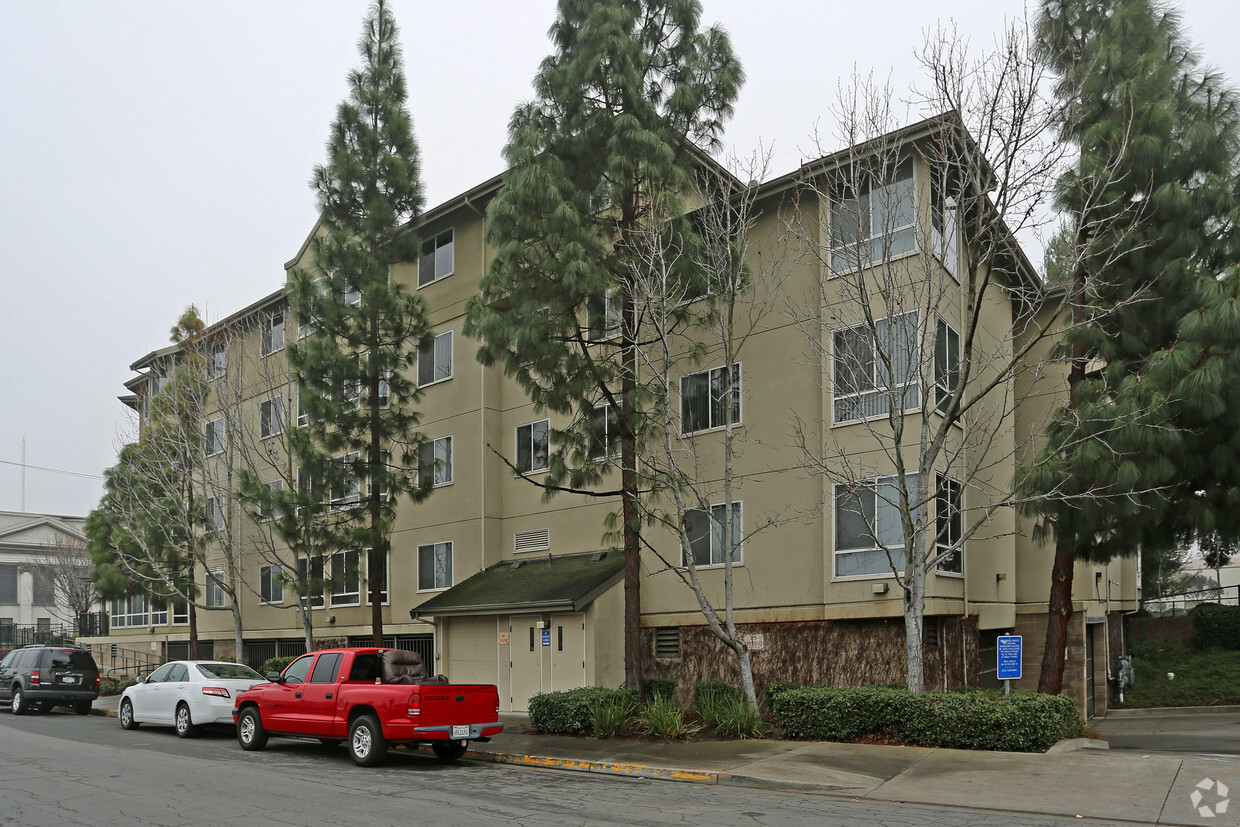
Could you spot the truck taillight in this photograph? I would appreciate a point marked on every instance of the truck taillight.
(415, 705)
(217, 691)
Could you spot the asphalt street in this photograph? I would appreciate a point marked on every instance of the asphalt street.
(59, 768)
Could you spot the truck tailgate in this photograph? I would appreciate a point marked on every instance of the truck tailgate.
(457, 710)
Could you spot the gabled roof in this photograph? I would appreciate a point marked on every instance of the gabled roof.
(557, 584)
(20, 530)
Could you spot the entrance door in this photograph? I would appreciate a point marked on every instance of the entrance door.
(527, 653)
(568, 652)
(1090, 646)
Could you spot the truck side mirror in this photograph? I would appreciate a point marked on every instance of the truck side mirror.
(275, 677)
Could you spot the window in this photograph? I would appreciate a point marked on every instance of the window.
(532, 446)
(180, 612)
(702, 399)
(948, 525)
(435, 362)
(217, 363)
(159, 377)
(352, 295)
(437, 258)
(272, 334)
(345, 586)
(435, 462)
(434, 566)
(873, 219)
(271, 417)
(271, 584)
(351, 386)
(297, 670)
(603, 311)
(944, 222)
(867, 526)
(706, 540)
(271, 511)
(345, 489)
(216, 516)
(129, 611)
(946, 364)
(305, 318)
(326, 668)
(604, 433)
(385, 459)
(159, 617)
(44, 587)
(308, 492)
(214, 442)
(862, 386)
(303, 415)
(377, 572)
(8, 583)
(310, 578)
(213, 595)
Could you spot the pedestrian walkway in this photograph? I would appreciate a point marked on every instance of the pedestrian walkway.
(1072, 780)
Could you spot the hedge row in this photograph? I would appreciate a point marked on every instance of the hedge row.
(570, 712)
(1023, 722)
(1216, 625)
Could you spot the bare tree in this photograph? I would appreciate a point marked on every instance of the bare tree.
(63, 568)
(695, 488)
(928, 323)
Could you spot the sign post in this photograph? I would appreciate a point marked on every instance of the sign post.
(1008, 659)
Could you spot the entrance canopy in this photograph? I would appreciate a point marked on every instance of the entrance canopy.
(567, 583)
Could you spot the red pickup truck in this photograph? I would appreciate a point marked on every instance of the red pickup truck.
(370, 697)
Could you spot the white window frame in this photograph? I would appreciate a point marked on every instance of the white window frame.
(442, 550)
(303, 416)
(883, 492)
(217, 513)
(274, 513)
(340, 562)
(217, 362)
(949, 525)
(271, 417)
(433, 264)
(526, 438)
(866, 208)
(306, 571)
(947, 363)
(213, 595)
(178, 611)
(715, 553)
(435, 356)
(603, 316)
(871, 399)
(215, 437)
(439, 451)
(319, 287)
(128, 612)
(271, 338)
(351, 494)
(271, 584)
(711, 376)
(605, 441)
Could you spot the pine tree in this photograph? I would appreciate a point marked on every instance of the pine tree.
(634, 91)
(363, 328)
(1151, 197)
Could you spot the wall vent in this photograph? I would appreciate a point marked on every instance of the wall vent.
(667, 643)
(537, 539)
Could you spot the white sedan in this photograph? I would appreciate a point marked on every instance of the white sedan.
(186, 694)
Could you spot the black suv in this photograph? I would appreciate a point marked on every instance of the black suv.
(40, 677)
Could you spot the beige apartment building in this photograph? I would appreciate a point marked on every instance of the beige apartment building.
(499, 584)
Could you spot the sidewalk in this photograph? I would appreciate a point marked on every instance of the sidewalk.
(1142, 788)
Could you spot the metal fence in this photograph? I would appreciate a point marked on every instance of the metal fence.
(1173, 605)
(258, 652)
(13, 636)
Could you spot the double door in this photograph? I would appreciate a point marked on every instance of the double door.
(545, 655)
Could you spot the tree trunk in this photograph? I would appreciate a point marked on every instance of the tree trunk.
(238, 643)
(1060, 612)
(193, 631)
(914, 621)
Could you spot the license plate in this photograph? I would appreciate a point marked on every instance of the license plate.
(69, 679)
(460, 732)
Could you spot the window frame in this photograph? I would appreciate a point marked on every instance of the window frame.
(430, 252)
(271, 584)
(877, 392)
(949, 525)
(272, 329)
(531, 429)
(347, 570)
(215, 437)
(846, 254)
(268, 425)
(441, 473)
(738, 535)
(434, 548)
(607, 436)
(352, 492)
(217, 513)
(213, 594)
(710, 398)
(434, 353)
(947, 374)
(306, 571)
(872, 487)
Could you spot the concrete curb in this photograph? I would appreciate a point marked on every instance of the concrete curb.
(1076, 745)
(603, 767)
(104, 713)
(1173, 710)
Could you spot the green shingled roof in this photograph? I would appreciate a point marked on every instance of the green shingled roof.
(567, 583)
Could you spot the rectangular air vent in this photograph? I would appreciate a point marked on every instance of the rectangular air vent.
(537, 539)
(667, 643)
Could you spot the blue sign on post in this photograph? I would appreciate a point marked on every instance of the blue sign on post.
(546, 637)
(1009, 657)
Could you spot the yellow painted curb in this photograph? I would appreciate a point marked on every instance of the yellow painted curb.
(575, 765)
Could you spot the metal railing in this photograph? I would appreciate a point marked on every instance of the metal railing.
(13, 636)
(1174, 605)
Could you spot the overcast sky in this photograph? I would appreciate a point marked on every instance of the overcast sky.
(157, 154)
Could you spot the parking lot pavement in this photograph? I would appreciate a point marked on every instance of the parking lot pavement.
(1213, 730)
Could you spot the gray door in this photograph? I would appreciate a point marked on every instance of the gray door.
(1091, 631)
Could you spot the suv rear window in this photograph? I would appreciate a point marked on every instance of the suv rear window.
(73, 659)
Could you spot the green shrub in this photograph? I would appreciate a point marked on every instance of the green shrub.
(571, 712)
(1215, 625)
(712, 697)
(275, 664)
(773, 689)
(658, 688)
(610, 715)
(1024, 722)
(664, 718)
(111, 686)
(733, 718)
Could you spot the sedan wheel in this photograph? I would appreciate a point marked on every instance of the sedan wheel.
(126, 715)
(19, 701)
(185, 725)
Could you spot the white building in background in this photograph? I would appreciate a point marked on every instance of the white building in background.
(28, 598)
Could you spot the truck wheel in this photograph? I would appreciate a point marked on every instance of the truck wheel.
(366, 742)
(184, 722)
(448, 750)
(82, 707)
(19, 701)
(126, 715)
(250, 732)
